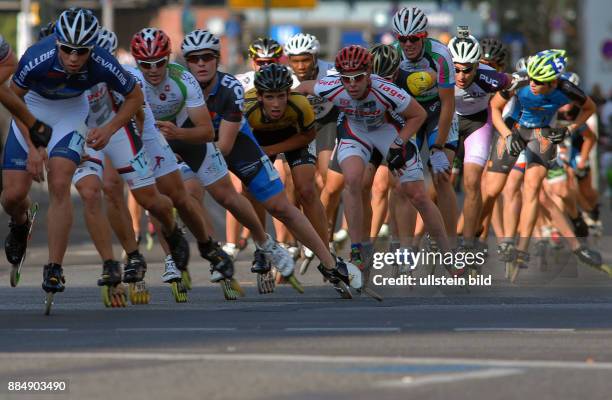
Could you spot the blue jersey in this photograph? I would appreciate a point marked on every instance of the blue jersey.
(40, 70)
(537, 111)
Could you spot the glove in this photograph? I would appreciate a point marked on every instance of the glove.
(555, 135)
(515, 143)
(517, 79)
(439, 162)
(397, 156)
(40, 134)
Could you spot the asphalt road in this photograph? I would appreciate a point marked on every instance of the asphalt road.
(547, 337)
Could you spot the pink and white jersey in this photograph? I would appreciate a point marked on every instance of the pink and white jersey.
(367, 114)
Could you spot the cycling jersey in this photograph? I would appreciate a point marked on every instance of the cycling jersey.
(435, 59)
(537, 111)
(368, 123)
(41, 71)
(475, 98)
(298, 118)
(246, 160)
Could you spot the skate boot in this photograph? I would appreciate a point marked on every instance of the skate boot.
(581, 229)
(263, 268)
(113, 292)
(179, 248)
(338, 277)
(507, 254)
(16, 241)
(231, 249)
(53, 282)
(221, 269)
(593, 222)
(16, 248)
(520, 262)
(282, 261)
(133, 274)
(172, 275)
(556, 242)
(340, 237)
(592, 258)
(471, 268)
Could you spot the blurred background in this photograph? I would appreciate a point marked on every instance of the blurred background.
(583, 28)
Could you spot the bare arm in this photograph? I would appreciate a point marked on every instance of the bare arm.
(415, 115)
(497, 107)
(295, 142)
(447, 110)
(228, 131)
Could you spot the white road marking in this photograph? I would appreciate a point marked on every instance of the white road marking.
(516, 329)
(302, 358)
(162, 329)
(345, 329)
(410, 381)
(39, 330)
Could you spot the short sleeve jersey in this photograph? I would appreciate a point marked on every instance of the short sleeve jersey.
(475, 98)
(5, 50)
(178, 91)
(436, 58)
(40, 70)
(370, 113)
(299, 117)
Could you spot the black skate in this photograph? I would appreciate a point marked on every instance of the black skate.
(592, 258)
(263, 269)
(133, 274)
(179, 248)
(53, 282)
(113, 292)
(221, 269)
(15, 248)
(338, 277)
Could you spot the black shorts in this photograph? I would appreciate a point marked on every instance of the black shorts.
(376, 159)
(302, 156)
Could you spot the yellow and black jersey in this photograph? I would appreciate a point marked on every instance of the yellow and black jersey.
(299, 117)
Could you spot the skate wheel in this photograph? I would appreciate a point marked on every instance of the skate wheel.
(295, 284)
(186, 279)
(179, 292)
(106, 300)
(48, 303)
(15, 275)
(607, 269)
(228, 292)
(236, 287)
(508, 265)
(265, 283)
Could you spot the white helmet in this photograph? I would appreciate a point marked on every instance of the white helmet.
(78, 27)
(200, 39)
(572, 77)
(302, 43)
(409, 21)
(465, 50)
(521, 64)
(107, 40)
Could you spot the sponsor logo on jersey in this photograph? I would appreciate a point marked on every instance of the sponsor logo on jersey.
(34, 63)
(111, 66)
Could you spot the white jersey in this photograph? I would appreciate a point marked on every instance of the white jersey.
(369, 113)
(321, 106)
(170, 99)
(475, 98)
(247, 80)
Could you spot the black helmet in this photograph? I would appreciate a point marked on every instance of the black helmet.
(46, 30)
(493, 51)
(265, 48)
(385, 60)
(273, 78)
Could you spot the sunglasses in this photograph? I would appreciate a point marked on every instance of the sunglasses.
(80, 51)
(465, 70)
(195, 58)
(538, 83)
(263, 63)
(155, 63)
(353, 78)
(411, 38)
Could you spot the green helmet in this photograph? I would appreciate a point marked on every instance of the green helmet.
(547, 65)
(385, 60)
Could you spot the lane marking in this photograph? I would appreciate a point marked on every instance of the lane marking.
(345, 329)
(162, 329)
(411, 381)
(302, 358)
(517, 329)
(38, 329)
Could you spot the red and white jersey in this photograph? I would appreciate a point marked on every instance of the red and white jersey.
(370, 113)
